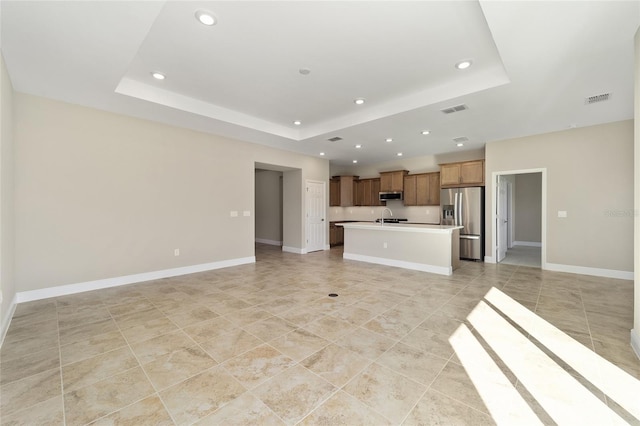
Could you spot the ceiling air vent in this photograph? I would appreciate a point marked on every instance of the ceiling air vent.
(335, 139)
(461, 139)
(453, 109)
(597, 98)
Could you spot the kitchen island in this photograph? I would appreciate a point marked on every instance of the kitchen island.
(429, 248)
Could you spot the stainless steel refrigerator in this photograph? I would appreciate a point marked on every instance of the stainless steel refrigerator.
(465, 207)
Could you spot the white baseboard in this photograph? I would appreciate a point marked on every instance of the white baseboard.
(327, 247)
(635, 341)
(441, 270)
(527, 243)
(489, 259)
(270, 242)
(294, 250)
(63, 290)
(6, 321)
(584, 270)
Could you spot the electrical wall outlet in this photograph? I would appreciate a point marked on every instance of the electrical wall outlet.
(562, 213)
(176, 252)
(234, 213)
(384, 245)
(246, 213)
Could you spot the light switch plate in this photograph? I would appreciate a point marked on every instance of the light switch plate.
(234, 213)
(246, 213)
(562, 213)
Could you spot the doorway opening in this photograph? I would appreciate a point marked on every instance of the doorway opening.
(519, 219)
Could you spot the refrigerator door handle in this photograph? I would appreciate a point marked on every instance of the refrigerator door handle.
(455, 209)
(469, 237)
(460, 209)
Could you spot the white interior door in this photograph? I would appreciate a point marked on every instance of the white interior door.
(315, 216)
(502, 202)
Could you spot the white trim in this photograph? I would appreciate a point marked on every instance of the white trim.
(489, 259)
(635, 342)
(294, 250)
(327, 247)
(6, 321)
(527, 243)
(441, 270)
(270, 242)
(45, 293)
(494, 230)
(596, 272)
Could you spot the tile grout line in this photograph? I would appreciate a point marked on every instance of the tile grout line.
(141, 367)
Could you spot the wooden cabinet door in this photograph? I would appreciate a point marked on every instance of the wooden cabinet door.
(434, 189)
(375, 193)
(472, 172)
(422, 190)
(449, 174)
(334, 192)
(397, 181)
(385, 182)
(340, 235)
(366, 192)
(410, 191)
(333, 235)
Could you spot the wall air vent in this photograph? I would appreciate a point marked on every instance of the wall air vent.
(453, 109)
(461, 139)
(597, 98)
(335, 139)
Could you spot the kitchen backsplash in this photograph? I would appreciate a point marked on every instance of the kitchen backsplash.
(423, 214)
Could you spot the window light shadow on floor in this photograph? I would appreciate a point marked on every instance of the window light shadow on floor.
(503, 325)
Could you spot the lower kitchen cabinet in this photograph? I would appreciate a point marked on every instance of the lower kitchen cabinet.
(336, 234)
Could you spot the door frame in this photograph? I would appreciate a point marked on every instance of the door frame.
(325, 246)
(494, 213)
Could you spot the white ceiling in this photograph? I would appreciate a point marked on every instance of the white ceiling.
(534, 63)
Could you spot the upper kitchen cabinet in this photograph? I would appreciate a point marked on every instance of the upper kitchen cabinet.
(467, 173)
(392, 181)
(422, 189)
(342, 191)
(367, 192)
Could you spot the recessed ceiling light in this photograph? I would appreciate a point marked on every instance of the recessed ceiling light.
(459, 144)
(297, 122)
(463, 65)
(389, 140)
(359, 101)
(399, 154)
(322, 154)
(426, 132)
(304, 71)
(355, 161)
(358, 146)
(158, 75)
(205, 17)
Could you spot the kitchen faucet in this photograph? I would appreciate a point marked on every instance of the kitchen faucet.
(382, 215)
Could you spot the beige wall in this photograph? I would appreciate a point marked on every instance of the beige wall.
(268, 205)
(424, 164)
(635, 337)
(7, 284)
(527, 207)
(101, 195)
(589, 175)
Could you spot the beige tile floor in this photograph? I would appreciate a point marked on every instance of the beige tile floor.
(264, 344)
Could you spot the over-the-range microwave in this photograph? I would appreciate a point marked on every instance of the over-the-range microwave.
(387, 196)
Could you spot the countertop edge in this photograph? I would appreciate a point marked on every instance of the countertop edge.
(437, 229)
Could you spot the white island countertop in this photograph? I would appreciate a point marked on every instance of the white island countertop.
(408, 227)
